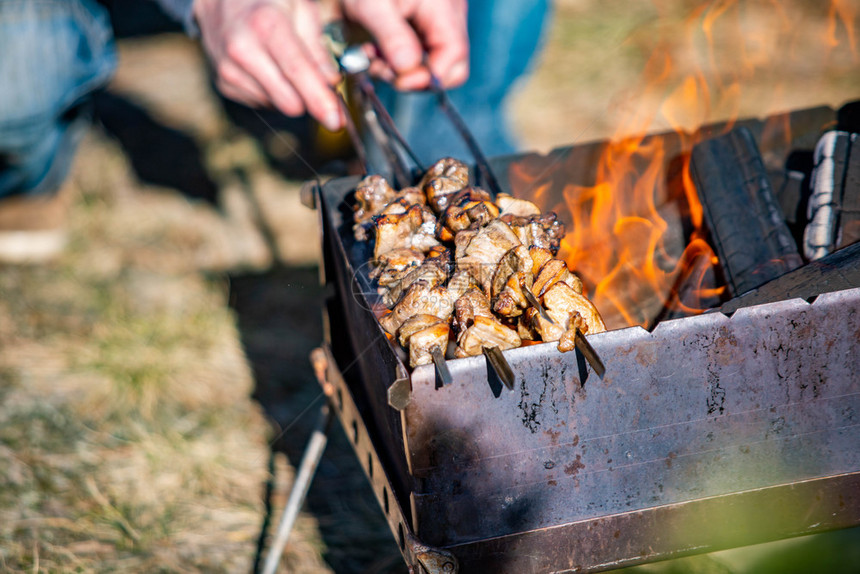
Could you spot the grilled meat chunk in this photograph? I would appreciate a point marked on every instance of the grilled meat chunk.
(461, 241)
(414, 324)
(552, 272)
(421, 333)
(562, 302)
(516, 261)
(541, 230)
(518, 207)
(375, 197)
(372, 195)
(484, 251)
(539, 256)
(468, 215)
(422, 343)
(432, 272)
(412, 196)
(513, 271)
(472, 303)
(420, 298)
(569, 311)
(439, 192)
(441, 255)
(446, 167)
(413, 229)
(486, 332)
(395, 264)
(442, 181)
(478, 327)
(461, 281)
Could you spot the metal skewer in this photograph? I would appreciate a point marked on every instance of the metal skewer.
(385, 119)
(443, 375)
(534, 302)
(588, 352)
(461, 127)
(355, 64)
(354, 135)
(500, 365)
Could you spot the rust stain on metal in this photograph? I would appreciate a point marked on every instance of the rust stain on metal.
(671, 456)
(646, 354)
(573, 468)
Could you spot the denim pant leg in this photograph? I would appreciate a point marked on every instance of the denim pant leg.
(53, 54)
(504, 35)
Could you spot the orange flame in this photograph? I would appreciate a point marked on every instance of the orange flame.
(635, 232)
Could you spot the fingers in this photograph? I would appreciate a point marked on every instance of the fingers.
(297, 64)
(239, 86)
(397, 40)
(246, 54)
(404, 30)
(271, 53)
(443, 27)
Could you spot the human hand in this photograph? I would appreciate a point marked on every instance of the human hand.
(271, 53)
(404, 29)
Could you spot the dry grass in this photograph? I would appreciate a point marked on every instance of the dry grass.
(125, 419)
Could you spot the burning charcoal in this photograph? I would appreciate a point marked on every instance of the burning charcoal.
(834, 207)
(746, 223)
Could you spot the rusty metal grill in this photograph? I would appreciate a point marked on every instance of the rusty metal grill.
(723, 429)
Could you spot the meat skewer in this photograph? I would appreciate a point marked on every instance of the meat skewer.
(502, 286)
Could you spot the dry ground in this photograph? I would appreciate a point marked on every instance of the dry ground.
(133, 370)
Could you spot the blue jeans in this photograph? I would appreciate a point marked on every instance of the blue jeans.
(53, 54)
(504, 35)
